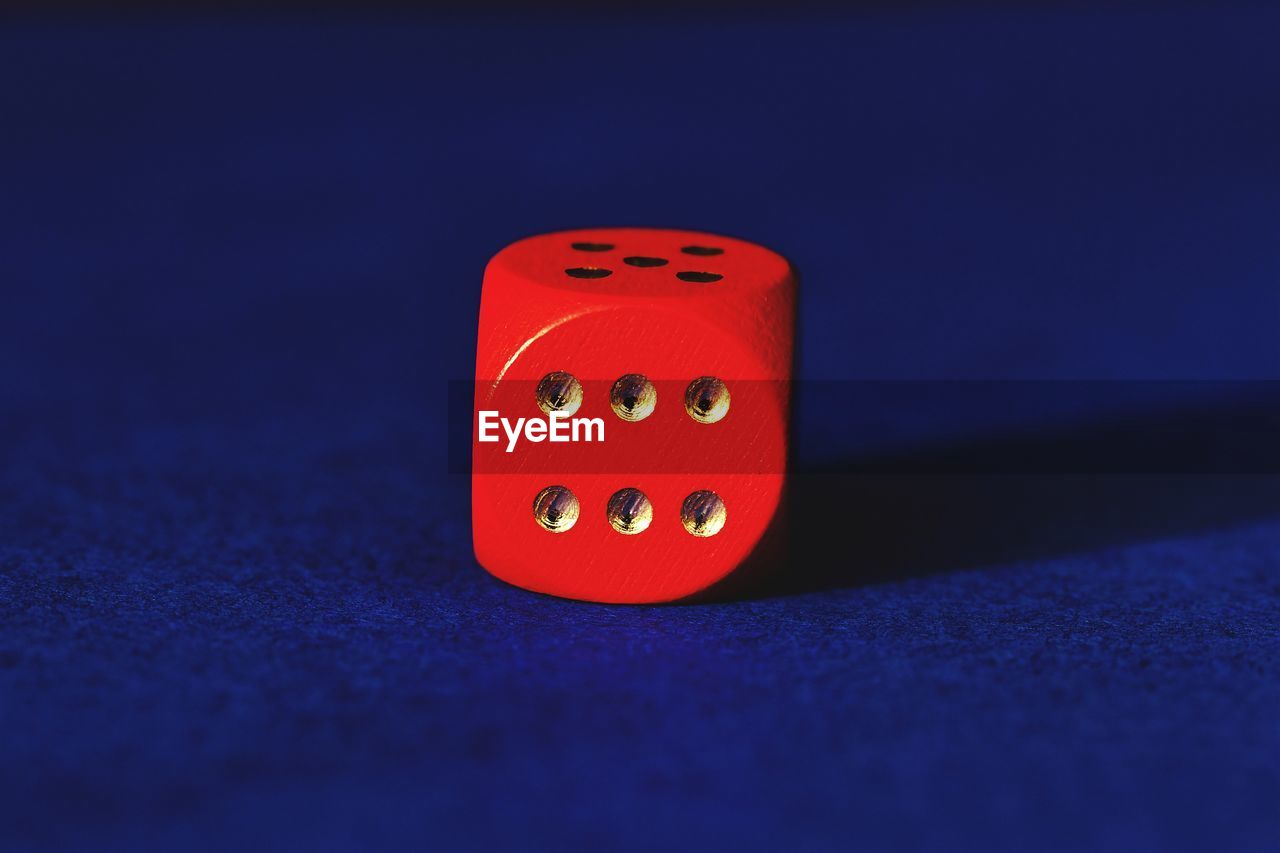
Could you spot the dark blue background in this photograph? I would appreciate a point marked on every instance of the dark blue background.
(240, 262)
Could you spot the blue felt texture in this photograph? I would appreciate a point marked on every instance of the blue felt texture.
(240, 260)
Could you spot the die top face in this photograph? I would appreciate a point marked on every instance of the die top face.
(646, 263)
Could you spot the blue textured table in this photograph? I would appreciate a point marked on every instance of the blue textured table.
(239, 265)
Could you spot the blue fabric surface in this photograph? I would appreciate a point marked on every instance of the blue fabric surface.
(240, 261)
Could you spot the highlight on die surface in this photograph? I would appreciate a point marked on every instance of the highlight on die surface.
(672, 351)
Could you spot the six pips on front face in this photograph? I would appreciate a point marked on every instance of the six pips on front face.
(632, 398)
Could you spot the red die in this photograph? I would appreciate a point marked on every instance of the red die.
(630, 433)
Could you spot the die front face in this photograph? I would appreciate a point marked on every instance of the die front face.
(662, 360)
